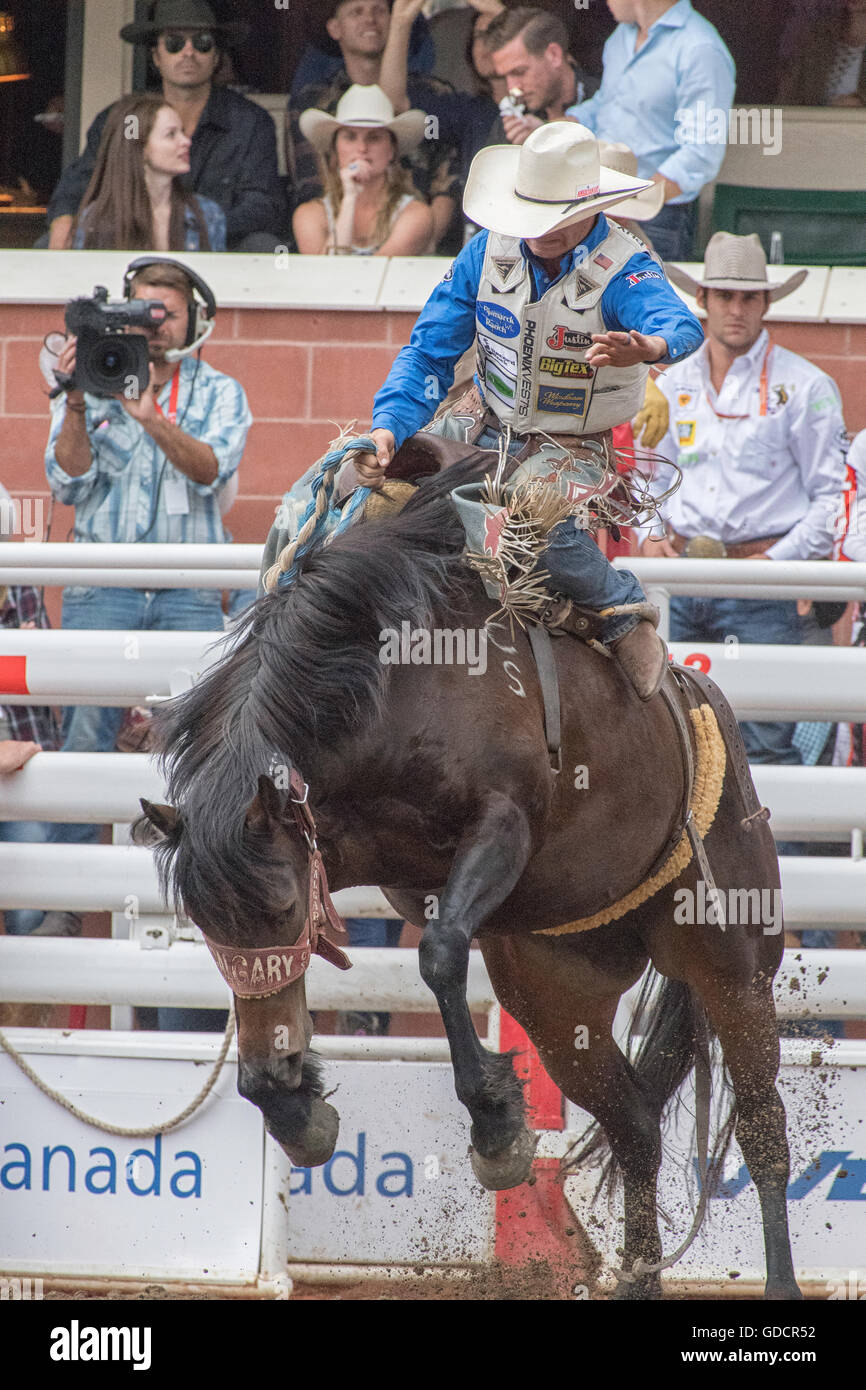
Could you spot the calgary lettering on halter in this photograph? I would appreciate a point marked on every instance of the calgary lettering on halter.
(274, 970)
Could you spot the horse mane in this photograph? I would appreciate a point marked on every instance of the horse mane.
(301, 670)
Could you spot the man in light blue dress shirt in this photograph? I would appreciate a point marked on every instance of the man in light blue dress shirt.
(666, 69)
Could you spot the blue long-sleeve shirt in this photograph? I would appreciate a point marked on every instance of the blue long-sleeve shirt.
(423, 372)
(660, 101)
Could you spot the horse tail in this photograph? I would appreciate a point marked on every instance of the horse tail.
(668, 1031)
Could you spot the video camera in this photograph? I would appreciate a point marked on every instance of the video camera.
(109, 361)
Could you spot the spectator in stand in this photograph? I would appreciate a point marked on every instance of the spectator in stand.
(374, 45)
(454, 32)
(369, 207)
(529, 48)
(24, 730)
(233, 155)
(758, 435)
(823, 55)
(148, 469)
(663, 66)
(321, 58)
(135, 198)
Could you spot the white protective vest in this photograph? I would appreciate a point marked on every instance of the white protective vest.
(532, 357)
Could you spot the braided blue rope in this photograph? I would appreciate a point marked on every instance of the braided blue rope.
(331, 522)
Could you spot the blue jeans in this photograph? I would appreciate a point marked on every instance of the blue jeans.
(672, 231)
(374, 931)
(750, 620)
(577, 567)
(94, 728)
(20, 921)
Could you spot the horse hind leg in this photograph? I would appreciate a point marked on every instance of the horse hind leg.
(596, 1077)
(489, 860)
(749, 1036)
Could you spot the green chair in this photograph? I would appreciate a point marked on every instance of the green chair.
(818, 228)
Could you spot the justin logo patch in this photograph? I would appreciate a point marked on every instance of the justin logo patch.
(505, 265)
(686, 433)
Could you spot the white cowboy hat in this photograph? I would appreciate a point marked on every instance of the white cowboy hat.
(622, 160)
(367, 107)
(735, 263)
(553, 179)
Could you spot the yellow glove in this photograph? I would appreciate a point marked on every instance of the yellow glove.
(652, 419)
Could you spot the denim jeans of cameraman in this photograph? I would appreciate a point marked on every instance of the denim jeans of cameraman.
(92, 728)
(577, 567)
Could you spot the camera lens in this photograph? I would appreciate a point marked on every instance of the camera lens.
(109, 361)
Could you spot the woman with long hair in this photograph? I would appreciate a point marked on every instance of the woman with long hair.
(135, 199)
(369, 207)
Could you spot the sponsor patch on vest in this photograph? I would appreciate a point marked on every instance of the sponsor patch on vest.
(686, 433)
(527, 353)
(583, 286)
(604, 261)
(504, 357)
(562, 401)
(639, 275)
(504, 264)
(503, 387)
(684, 398)
(565, 366)
(496, 320)
(567, 338)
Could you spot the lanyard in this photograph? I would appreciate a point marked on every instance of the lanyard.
(763, 391)
(172, 397)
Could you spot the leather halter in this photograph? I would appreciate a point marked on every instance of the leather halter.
(257, 972)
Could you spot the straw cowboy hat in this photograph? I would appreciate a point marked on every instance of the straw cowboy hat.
(554, 178)
(622, 160)
(735, 263)
(369, 108)
(183, 14)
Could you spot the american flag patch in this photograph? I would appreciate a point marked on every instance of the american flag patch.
(604, 261)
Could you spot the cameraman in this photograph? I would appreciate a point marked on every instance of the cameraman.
(148, 469)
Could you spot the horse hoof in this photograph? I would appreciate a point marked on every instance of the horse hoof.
(317, 1143)
(508, 1169)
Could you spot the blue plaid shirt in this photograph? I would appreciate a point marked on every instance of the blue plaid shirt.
(124, 495)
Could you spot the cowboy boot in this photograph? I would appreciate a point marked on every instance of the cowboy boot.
(643, 658)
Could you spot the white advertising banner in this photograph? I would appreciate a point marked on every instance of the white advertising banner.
(824, 1091)
(75, 1200)
(399, 1189)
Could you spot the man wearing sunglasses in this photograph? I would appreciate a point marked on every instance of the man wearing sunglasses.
(233, 158)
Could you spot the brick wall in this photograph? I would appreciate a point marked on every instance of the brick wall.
(304, 372)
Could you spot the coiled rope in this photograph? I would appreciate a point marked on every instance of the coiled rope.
(319, 511)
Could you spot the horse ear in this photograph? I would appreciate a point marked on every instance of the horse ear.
(155, 825)
(267, 806)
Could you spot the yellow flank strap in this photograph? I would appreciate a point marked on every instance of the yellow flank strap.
(710, 761)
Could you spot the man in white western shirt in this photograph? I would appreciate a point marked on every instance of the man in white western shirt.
(758, 434)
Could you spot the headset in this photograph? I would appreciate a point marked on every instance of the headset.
(202, 306)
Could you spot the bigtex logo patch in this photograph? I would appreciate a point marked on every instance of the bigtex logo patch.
(562, 366)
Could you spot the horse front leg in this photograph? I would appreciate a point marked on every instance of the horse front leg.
(489, 861)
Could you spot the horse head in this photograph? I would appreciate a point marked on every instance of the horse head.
(261, 930)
